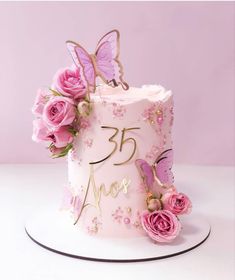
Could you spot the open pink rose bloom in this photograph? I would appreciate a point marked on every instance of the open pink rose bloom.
(70, 83)
(161, 225)
(59, 111)
(177, 203)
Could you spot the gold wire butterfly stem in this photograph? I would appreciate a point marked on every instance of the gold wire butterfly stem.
(156, 178)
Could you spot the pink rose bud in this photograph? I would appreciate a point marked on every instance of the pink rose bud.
(84, 108)
(161, 226)
(177, 203)
(43, 95)
(69, 82)
(154, 204)
(59, 111)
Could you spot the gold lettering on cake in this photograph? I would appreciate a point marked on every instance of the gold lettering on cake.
(111, 139)
(124, 140)
(114, 189)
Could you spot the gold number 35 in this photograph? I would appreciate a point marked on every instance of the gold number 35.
(123, 142)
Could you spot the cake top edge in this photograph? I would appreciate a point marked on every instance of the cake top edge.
(152, 93)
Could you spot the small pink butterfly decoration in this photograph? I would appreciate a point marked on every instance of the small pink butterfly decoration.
(160, 172)
(104, 63)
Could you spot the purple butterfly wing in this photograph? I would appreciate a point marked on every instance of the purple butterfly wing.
(107, 59)
(163, 167)
(105, 62)
(83, 60)
(146, 172)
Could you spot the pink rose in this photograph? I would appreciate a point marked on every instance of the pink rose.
(70, 83)
(60, 137)
(42, 97)
(177, 203)
(161, 225)
(59, 111)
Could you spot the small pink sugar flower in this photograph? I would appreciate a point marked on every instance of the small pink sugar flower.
(88, 142)
(177, 203)
(84, 123)
(161, 225)
(70, 82)
(59, 111)
(43, 95)
(118, 110)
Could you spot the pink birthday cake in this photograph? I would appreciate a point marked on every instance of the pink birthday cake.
(117, 140)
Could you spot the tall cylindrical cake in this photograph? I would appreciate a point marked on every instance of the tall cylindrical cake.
(124, 126)
(118, 142)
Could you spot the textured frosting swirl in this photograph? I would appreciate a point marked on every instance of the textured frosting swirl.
(154, 93)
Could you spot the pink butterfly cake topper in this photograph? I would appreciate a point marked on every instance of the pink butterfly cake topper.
(104, 63)
(160, 172)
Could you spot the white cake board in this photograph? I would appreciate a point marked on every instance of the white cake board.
(47, 229)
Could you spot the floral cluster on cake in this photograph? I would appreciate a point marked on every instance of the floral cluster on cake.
(60, 111)
(160, 220)
(164, 203)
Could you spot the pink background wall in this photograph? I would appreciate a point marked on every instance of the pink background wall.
(187, 47)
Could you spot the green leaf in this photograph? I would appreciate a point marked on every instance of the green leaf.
(56, 93)
(73, 131)
(64, 152)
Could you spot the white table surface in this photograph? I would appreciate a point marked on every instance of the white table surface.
(25, 187)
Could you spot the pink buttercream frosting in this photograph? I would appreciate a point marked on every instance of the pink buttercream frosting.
(119, 135)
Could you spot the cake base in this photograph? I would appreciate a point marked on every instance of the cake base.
(47, 229)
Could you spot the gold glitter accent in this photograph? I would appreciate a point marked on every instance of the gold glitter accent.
(159, 112)
(128, 209)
